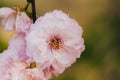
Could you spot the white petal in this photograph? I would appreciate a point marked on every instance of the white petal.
(5, 12)
(23, 23)
(9, 22)
(57, 68)
(66, 55)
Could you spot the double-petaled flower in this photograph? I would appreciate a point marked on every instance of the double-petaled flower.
(57, 39)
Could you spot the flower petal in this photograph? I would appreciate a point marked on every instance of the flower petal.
(57, 68)
(23, 23)
(66, 56)
(8, 22)
(5, 12)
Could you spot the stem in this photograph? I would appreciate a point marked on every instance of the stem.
(33, 9)
(26, 7)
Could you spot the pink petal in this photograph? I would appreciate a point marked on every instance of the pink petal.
(5, 12)
(66, 55)
(18, 45)
(57, 68)
(8, 22)
(23, 23)
(47, 73)
(32, 74)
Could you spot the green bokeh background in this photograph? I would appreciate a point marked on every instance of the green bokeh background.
(100, 20)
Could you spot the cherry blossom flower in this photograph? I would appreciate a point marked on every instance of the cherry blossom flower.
(15, 52)
(57, 39)
(14, 19)
(13, 67)
(32, 74)
(20, 70)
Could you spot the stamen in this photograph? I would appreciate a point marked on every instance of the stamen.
(33, 65)
(55, 42)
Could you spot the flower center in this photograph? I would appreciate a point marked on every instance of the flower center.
(55, 42)
(32, 65)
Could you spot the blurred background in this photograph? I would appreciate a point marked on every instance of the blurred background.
(100, 20)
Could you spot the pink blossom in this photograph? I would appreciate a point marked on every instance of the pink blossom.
(55, 38)
(22, 71)
(7, 66)
(18, 47)
(14, 19)
(18, 43)
(14, 53)
(17, 69)
(32, 74)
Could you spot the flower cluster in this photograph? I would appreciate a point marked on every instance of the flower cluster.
(40, 49)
